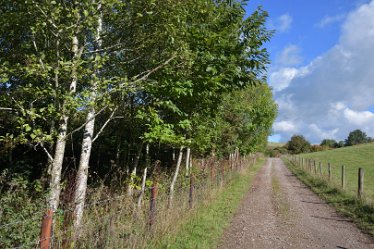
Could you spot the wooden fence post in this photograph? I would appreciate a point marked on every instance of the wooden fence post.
(46, 230)
(360, 182)
(320, 168)
(192, 189)
(152, 207)
(315, 167)
(343, 176)
(302, 162)
(329, 170)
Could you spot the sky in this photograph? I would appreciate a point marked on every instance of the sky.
(322, 67)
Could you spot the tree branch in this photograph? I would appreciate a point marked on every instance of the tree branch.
(105, 124)
(82, 126)
(6, 109)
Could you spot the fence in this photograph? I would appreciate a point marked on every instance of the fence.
(356, 181)
(122, 221)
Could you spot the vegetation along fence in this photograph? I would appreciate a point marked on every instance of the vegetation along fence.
(355, 180)
(120, 221)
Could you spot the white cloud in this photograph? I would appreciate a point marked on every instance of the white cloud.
(328, 20)
(359, 117)
(332, 95)
(282, 23)
(285, 126)
(289, 56)
(282, 78)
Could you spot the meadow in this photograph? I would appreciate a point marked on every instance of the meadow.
(353, 158)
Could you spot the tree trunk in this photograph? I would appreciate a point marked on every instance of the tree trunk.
(56, 166)
(140, 198)
(172, 185)
(130, 185)
(82, 174)
(188, 152)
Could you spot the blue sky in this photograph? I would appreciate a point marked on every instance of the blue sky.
(322, 69)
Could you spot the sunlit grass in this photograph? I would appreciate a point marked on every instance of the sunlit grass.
(349, 205)
(203, 228)
(353, 157)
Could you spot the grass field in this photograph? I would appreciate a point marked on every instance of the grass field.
(353, 157)
(273, 145)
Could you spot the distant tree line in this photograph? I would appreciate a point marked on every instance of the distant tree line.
(298, 144)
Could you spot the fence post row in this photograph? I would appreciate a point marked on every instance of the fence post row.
(360, 182)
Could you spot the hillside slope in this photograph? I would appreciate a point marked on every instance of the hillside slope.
(353, 157)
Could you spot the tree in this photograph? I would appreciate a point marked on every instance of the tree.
(356, 137)
(298, 144)
(331, 143)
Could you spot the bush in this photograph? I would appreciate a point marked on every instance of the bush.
(21, 211)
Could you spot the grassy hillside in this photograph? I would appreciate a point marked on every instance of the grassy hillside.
(273, 145)
(352, 157)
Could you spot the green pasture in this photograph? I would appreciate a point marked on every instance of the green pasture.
(353, 158)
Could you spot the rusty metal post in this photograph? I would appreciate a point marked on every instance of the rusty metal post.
(192, 189)
(152, 207)
(46, 230)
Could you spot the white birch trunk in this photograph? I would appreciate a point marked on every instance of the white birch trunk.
(188, 153)
(56, 166)
(130, 186)
(175, 177)
(82, 174)
(144, 179)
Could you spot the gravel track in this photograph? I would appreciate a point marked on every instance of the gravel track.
(281, 212)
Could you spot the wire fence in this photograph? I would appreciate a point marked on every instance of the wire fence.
(122, 221)
(356, 181)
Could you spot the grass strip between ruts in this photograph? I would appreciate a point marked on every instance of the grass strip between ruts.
(203, 228)
(361, 213)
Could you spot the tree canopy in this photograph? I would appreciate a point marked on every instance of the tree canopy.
(94, 81)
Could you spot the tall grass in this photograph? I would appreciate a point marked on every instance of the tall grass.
(113, 220)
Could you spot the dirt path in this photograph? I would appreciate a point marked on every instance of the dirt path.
(281, 212)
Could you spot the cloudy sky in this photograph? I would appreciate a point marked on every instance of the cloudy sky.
(322, 70)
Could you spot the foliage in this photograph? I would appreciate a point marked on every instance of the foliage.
(162, 73)
(331, 143)
(21, 210)
(298, 144)
(356, 137)
(316, 148)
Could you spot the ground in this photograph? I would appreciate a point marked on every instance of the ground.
(281, 212)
